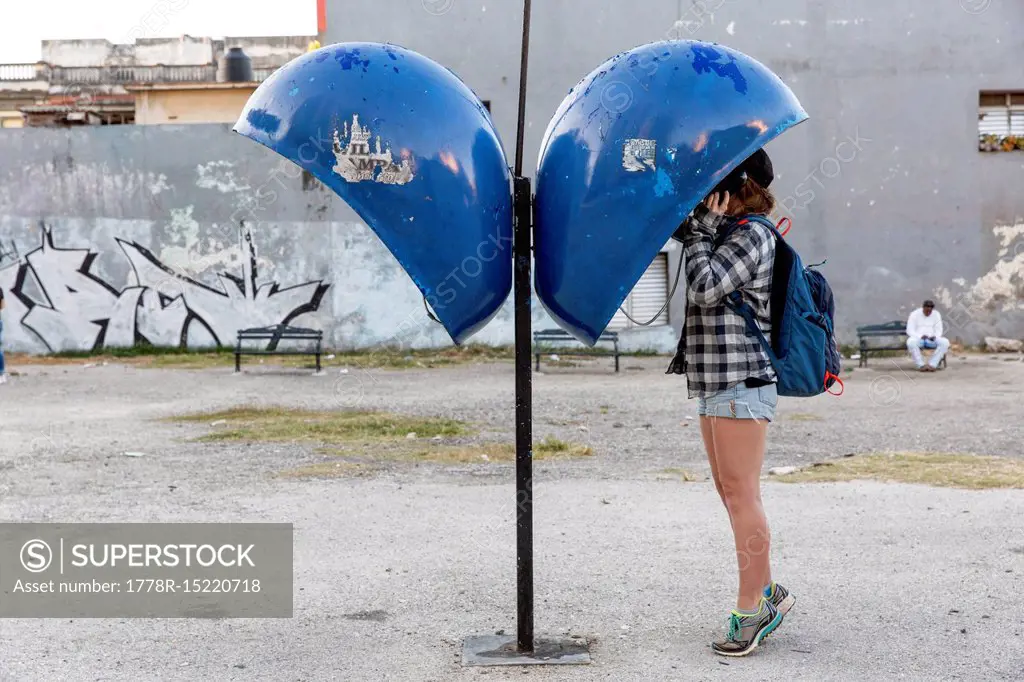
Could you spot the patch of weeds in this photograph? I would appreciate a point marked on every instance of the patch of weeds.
(682, 474)
(479, 453)
(848, 349)
(174, 357)
(553, 448)
(546, 350)
(872, 354)
(802, 417)
(604, 409)
(360, 441)
(189, 361)
(140, 350)
(397, 358)
(384, 357)
(328, 427)
(141, 356)
(332, 469)
(412, 451)
(948, 470)
(461, 454)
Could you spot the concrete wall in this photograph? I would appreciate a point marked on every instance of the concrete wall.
(119, 234)
(200, 105)
(885, 180)
(115, 235)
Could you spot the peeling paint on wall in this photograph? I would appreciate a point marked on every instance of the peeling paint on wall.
(1002, 288)
(96, 186)
(944, 297)
(1008, 235)
(189, 253)
(159, 184)
(219, 175)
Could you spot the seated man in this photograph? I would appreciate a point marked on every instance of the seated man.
(924, 330)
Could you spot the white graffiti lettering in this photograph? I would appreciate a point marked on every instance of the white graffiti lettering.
(57, 298)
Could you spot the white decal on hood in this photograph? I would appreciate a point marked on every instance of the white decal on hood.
(638, 155)
(357, 161)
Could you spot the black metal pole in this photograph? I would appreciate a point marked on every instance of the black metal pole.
(522, 232)
(483, 650)
(524, 416)
(523, 66)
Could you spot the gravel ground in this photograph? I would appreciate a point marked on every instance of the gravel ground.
(892, 581)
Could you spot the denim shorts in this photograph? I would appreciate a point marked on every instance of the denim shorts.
(741, 402)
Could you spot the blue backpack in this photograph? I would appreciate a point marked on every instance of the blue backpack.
(803, 347)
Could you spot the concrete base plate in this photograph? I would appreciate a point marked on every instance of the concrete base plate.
(501, 650)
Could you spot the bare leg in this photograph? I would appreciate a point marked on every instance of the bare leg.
(738, 446)
(709, 446)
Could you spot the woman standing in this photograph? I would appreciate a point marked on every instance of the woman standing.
(732, 377)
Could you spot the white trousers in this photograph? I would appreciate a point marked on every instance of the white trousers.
(914, 346)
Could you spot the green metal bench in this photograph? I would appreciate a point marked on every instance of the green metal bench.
(896, 329)
(559, 337)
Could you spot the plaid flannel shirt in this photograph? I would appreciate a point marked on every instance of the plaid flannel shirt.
(715, 350)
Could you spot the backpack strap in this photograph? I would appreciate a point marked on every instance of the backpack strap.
(735, 301)
(736, 304)
(754, 217)
(758, 218)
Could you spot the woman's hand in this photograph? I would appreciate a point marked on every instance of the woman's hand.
(706, 218)
(717, 202)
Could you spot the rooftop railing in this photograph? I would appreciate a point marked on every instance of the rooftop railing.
(116, 74)
(21, 72)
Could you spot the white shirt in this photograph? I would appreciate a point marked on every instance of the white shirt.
(920, 324)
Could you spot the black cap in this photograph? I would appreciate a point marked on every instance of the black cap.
(758, 167)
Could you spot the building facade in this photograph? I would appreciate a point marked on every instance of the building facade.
(907, 178)
(167, 80)
(20, 85)
(158, 103)
(888, 179)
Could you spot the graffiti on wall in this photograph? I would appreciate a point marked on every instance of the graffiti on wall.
(62, 302)
(8, 253)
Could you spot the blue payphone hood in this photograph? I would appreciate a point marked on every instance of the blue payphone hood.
(629, 153)
(414, 152)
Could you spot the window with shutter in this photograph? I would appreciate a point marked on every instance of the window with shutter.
(1000, 121)
(646, 298)
(1017, 122)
